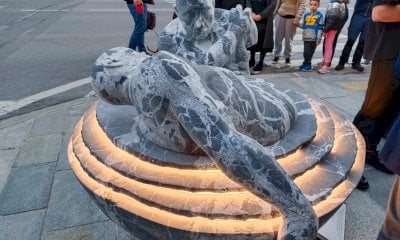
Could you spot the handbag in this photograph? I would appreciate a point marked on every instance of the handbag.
(151, 20)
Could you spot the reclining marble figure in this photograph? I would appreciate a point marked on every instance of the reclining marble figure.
(211, 36)
(206, 110)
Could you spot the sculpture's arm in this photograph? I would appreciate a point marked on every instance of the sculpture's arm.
(241, 158)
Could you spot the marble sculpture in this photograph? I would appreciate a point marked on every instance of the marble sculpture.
(185, 145)
(211, 36)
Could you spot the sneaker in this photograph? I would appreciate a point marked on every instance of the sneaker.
(307, 68)
(324, 69)
(275, 60)
(287, 62)
(319, 65)
(357, 67)
(257, 69)
(301, 67)
(372, 159)
(339, 67)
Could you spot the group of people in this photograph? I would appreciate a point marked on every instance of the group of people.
(377, 25)
(286, 16)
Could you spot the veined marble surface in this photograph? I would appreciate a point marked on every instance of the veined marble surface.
(211, 36)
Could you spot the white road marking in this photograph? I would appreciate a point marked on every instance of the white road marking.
(9, 106)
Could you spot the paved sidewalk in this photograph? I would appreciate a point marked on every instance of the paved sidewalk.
(40, 198)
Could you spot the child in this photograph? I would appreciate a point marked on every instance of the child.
(312, 24)
(335, 13)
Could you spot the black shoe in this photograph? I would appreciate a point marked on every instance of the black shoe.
(276, 59)
(363, 184)
(339, 67)
(287, 62)
(372, 159)
(258, 67)
(252, 62)
(357, 67)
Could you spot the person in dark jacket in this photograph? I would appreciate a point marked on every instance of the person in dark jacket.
(263, 15)
(358, 27)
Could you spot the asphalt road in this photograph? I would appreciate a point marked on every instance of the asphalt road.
(46, 47)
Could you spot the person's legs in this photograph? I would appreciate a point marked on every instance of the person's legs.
(309, 49)
(338, 33)
(252, 60)
(358, 55)
(136, 41)
(346, 53)
(290, 31)
(329, 37)
(279, 34)
(380, 106)
(391, 226)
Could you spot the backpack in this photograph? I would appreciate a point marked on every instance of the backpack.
(151, 20)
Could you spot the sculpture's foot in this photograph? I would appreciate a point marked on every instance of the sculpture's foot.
(302, 226)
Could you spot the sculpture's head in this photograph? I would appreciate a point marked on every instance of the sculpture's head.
(111, 72)
(196, 16)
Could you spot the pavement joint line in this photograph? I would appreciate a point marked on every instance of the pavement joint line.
(9, 106)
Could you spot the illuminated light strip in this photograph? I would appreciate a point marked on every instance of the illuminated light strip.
(222, 226)
(199, 179)
(182, 177)
(226, 203)
(302, 180)
(195, 224)
(188, 178)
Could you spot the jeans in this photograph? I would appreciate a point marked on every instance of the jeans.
(358, 26)
(136, 41)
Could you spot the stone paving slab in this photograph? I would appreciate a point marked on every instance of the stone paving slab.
(22, 226)
(70, 205)
(101, 230)
(7, 160)
(49, 124)
(13, 137)
(39, 149)
(27, 189)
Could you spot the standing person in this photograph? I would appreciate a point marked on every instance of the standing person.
(313, 25)
(333, 21)
(390, 155)
(262, 14)
(138, 10)
(358, 27)
(381, 103)
(288, 15)
(228, 4)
